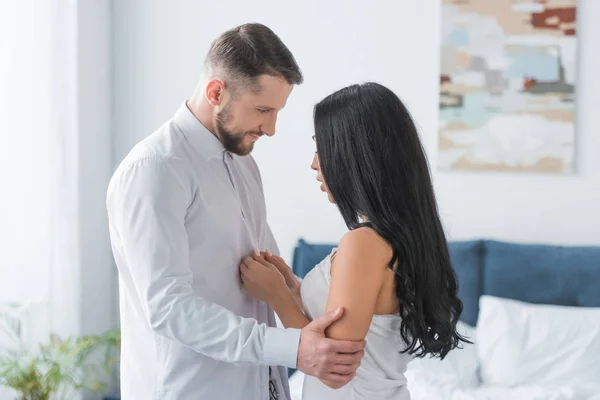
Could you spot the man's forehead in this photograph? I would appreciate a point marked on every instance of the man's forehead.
(273, 94)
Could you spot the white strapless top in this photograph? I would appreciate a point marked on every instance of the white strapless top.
(381, 373)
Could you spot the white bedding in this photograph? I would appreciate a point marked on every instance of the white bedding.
(430, 392)
(457, 378)
(548, 352)
(431, 389)
(531, 344)
(296, 381)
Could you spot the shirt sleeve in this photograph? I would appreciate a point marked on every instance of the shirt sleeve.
(147, 207)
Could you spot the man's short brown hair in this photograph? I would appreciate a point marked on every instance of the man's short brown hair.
(244, 53)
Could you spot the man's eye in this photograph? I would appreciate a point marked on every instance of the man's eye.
(263, 110)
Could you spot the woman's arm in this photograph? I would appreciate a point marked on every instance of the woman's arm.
(293, 282)
(265, 281)
(357, 276)
(287, 308)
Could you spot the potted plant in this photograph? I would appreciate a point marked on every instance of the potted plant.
(60, 368)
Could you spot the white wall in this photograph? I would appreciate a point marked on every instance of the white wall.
(56, 159)
(56, 99)
(98, 273)
(159, 46)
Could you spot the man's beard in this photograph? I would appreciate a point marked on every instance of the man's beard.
(233, 142)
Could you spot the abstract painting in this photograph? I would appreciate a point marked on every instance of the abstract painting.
(507, 85)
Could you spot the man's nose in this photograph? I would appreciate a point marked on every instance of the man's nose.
(268, 127)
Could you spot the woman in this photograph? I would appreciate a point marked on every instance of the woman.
(391, 272)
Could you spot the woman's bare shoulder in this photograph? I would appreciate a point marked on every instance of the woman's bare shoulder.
(366, 245)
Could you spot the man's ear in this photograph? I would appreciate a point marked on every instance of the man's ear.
(214, 92)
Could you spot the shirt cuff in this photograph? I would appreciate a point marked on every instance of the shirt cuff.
(281, 347)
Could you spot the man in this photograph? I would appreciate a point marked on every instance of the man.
(185, 206)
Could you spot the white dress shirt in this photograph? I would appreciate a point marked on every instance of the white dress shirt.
(183, 212)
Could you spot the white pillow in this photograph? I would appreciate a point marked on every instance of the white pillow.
(526, 344)
(457, 370)
(520, 393)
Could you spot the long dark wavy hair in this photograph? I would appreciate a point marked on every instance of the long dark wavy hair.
(374, 166)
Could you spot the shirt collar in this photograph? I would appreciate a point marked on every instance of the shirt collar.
(196, 134)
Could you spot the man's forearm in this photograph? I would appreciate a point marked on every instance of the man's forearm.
(218, 333)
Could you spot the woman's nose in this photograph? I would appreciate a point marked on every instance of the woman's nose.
(315, 163)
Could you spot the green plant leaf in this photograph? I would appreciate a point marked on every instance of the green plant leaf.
(60, 366)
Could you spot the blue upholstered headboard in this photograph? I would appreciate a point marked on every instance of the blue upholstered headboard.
(541, 274)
